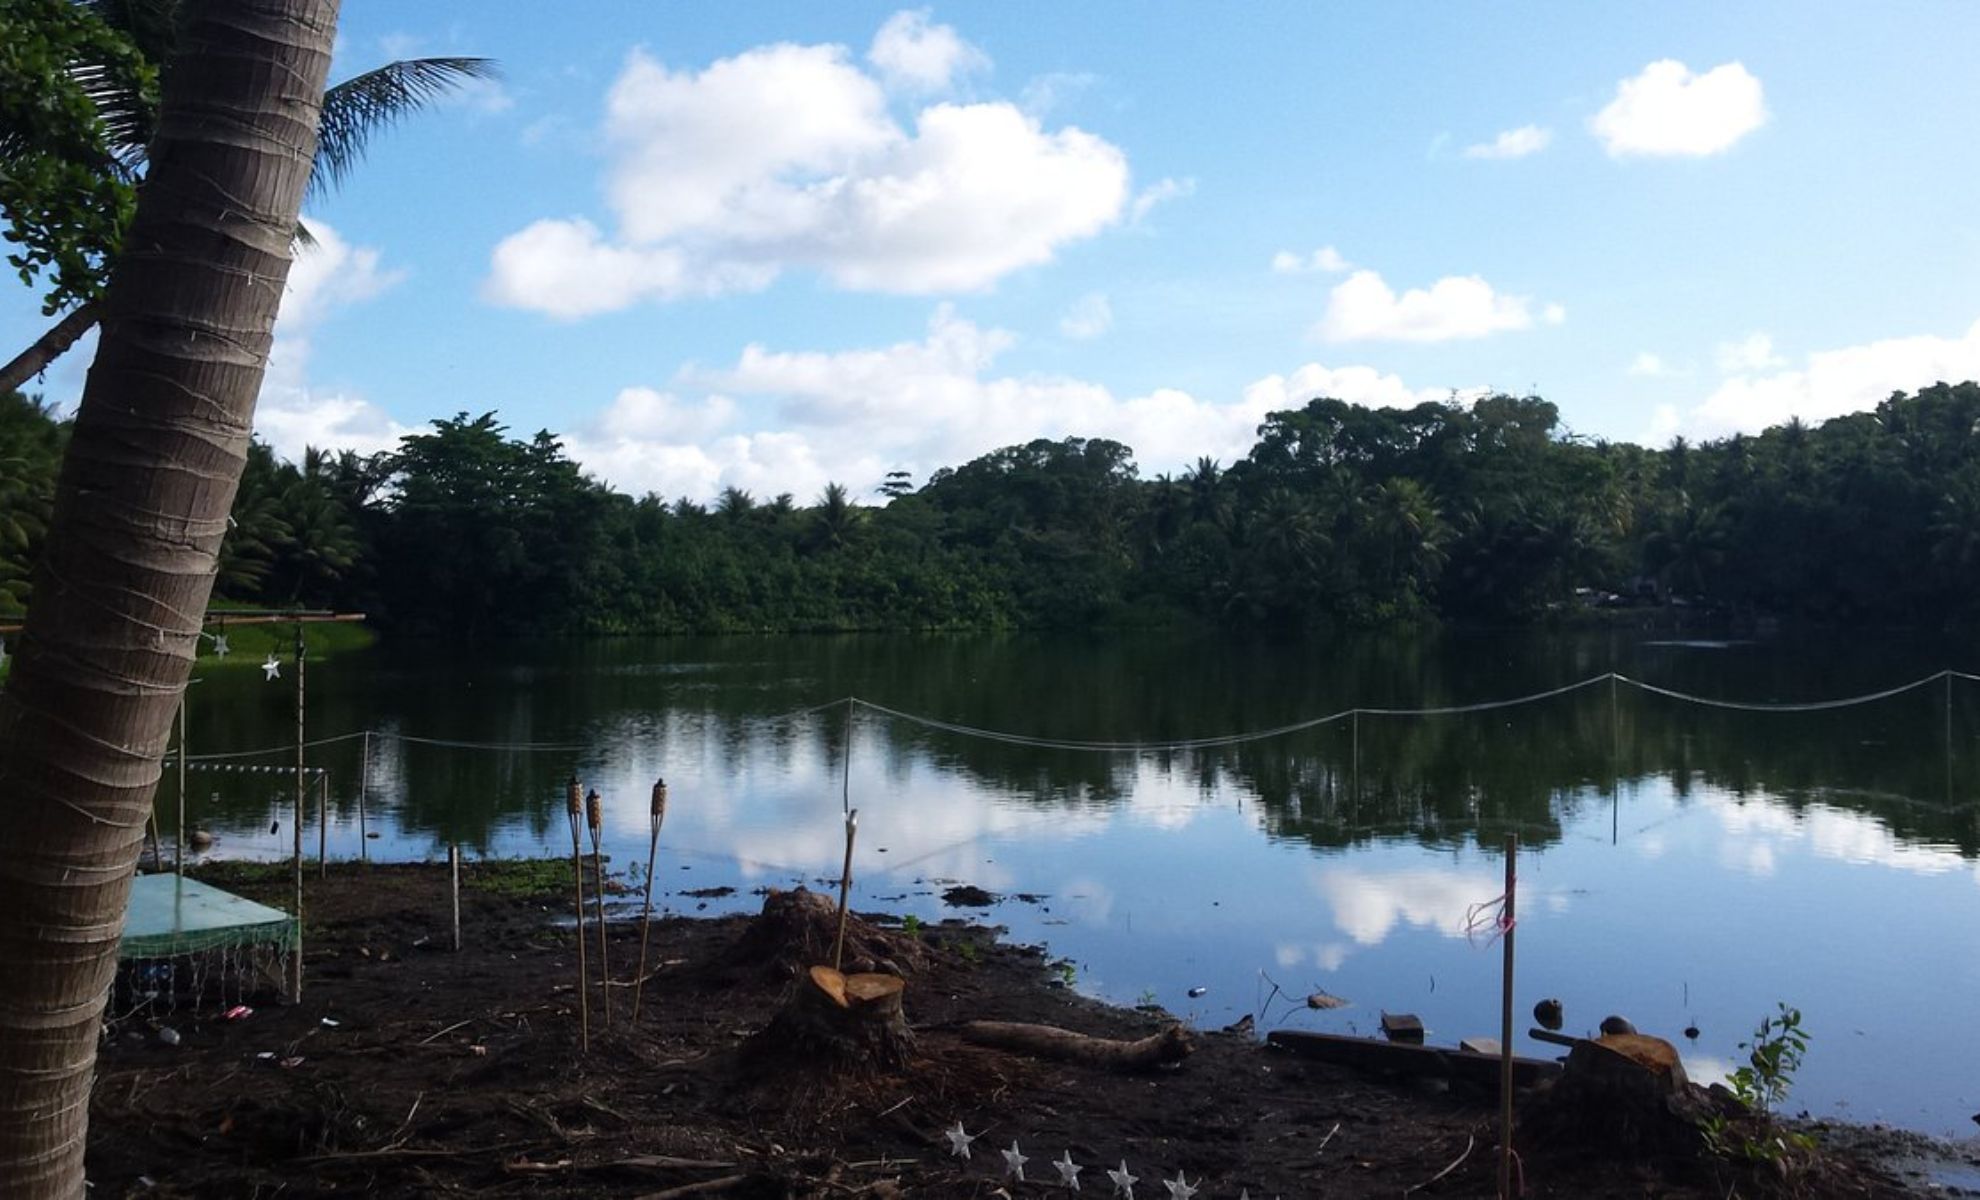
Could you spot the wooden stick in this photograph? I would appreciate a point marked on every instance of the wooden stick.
(1171, 1045)
(454, 868)
(594, 809)
(845, 886)
(1505, 1034)
(659, 814)
(364, 781)
(574, 808)
(323, 826)
(296, 961)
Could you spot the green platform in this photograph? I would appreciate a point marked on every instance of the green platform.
(170, 915)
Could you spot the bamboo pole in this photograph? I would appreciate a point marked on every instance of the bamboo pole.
(295, 832)
(323, 825)
(659, 814)
(1506, 1027)
(594, 810)
(179, 836)
(574, 808)
(364, 782)
(454, 868)
(845, 886)
(1615, 765)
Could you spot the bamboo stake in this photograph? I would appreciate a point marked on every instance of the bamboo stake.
(659, 815)
(179, 837)
(845, 886)
(295, 832)
(364, 781)
(574, 809)
(454, 868)
(1506, 1028)
(594, 807)
(323, 826)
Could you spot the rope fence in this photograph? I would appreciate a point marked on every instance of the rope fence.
(1136, 746)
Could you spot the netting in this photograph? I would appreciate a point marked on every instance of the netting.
(187, 943)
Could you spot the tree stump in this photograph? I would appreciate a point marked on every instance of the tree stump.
(799, 927)
(838, 1021)
(1619, 1094)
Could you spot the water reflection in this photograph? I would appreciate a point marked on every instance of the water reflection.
(1678, 864)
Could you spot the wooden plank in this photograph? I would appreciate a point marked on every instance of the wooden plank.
(1368, 1054)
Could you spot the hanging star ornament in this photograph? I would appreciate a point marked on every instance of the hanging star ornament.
(220, 647)
(271, 670)
(1123, 1182)
(1068, 1171)
(958, 1140)
(1180, 1188)
(1014, 1161)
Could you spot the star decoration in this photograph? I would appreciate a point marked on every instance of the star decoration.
(958, 1140)
(220, 645)
(1014, 1161)
(1123, 1182)
(271, 670)
(1180, 1188)
(1068, 1171)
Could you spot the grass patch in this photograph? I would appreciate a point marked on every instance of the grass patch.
(249, 645)
(519, 878)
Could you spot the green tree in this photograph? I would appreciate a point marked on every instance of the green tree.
(78, 102)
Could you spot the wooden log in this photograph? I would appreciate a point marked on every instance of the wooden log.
(1402, 1058)
(1172, 1045)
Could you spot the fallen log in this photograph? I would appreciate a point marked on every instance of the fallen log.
(1172, 1045)
(1402, 1058)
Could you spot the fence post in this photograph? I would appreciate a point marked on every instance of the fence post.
(1506, 1028)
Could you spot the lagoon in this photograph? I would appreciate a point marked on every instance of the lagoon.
(1681, 864)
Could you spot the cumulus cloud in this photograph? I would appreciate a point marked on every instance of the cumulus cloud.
(1089, 317)
(785, 157)
(1368, 905)
(292, 414)
(913, 55)
(793, 420)
(1513, 143)
(1754, 352)
(1667, 111)
(1649, 366)
(1365, 308)
(1324, 261)
(1160, 192)
(1830, 384)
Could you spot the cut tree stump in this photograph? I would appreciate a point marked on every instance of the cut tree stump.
(1172, 1045)
(1621, 1093)
(799, 927)
(839, 1021)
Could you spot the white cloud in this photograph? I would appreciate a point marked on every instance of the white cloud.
(1160, 192)
(1667, 111)
(1649, 366)
(1754, 352)
(1364, 308)
(913, 55)
(1324, 261)
(1830, 384)
(777, 421)
(1089, 317)
(291, 414)
(1368, 905)
(1513, 143)
(786, 157)
(1054, 90)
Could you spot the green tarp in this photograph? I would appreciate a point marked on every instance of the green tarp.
(170, 915)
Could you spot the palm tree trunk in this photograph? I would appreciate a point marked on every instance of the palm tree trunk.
(159, 443)
(49, 346)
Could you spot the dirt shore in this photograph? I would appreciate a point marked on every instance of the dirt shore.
(411, 1070)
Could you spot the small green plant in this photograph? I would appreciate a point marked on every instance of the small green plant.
(970, 954)
(911, 925)
(1067, 972)
(1772, 1058)
(1146, 999)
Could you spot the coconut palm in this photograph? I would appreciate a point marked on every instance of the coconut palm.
(160, 438)
(352, 112)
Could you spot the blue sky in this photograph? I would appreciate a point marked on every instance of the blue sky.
(778, 244)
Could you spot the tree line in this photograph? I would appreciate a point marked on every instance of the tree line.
(1340, 516)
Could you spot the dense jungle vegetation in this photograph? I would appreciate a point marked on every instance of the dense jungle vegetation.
(1339, 516)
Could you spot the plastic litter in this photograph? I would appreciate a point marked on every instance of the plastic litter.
(236, 1013)
(168, 1035)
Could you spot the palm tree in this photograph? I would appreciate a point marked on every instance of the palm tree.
(352, 111)
(835, 518)
(159, 442)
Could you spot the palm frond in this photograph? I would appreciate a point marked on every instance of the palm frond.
(360, 106)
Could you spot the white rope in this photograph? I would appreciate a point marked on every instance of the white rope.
(1805, 706)
(1486, 705)
(1136, 747)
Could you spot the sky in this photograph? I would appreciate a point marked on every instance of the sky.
(774, 245)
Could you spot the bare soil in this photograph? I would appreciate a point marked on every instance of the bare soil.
(455, 1072)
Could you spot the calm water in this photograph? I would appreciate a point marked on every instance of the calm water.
(1678, 864)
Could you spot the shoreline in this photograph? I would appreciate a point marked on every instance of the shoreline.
(411, 1069)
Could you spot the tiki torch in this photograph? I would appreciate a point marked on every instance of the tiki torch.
(646, 918)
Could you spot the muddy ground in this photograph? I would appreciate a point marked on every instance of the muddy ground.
(448, 1073)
